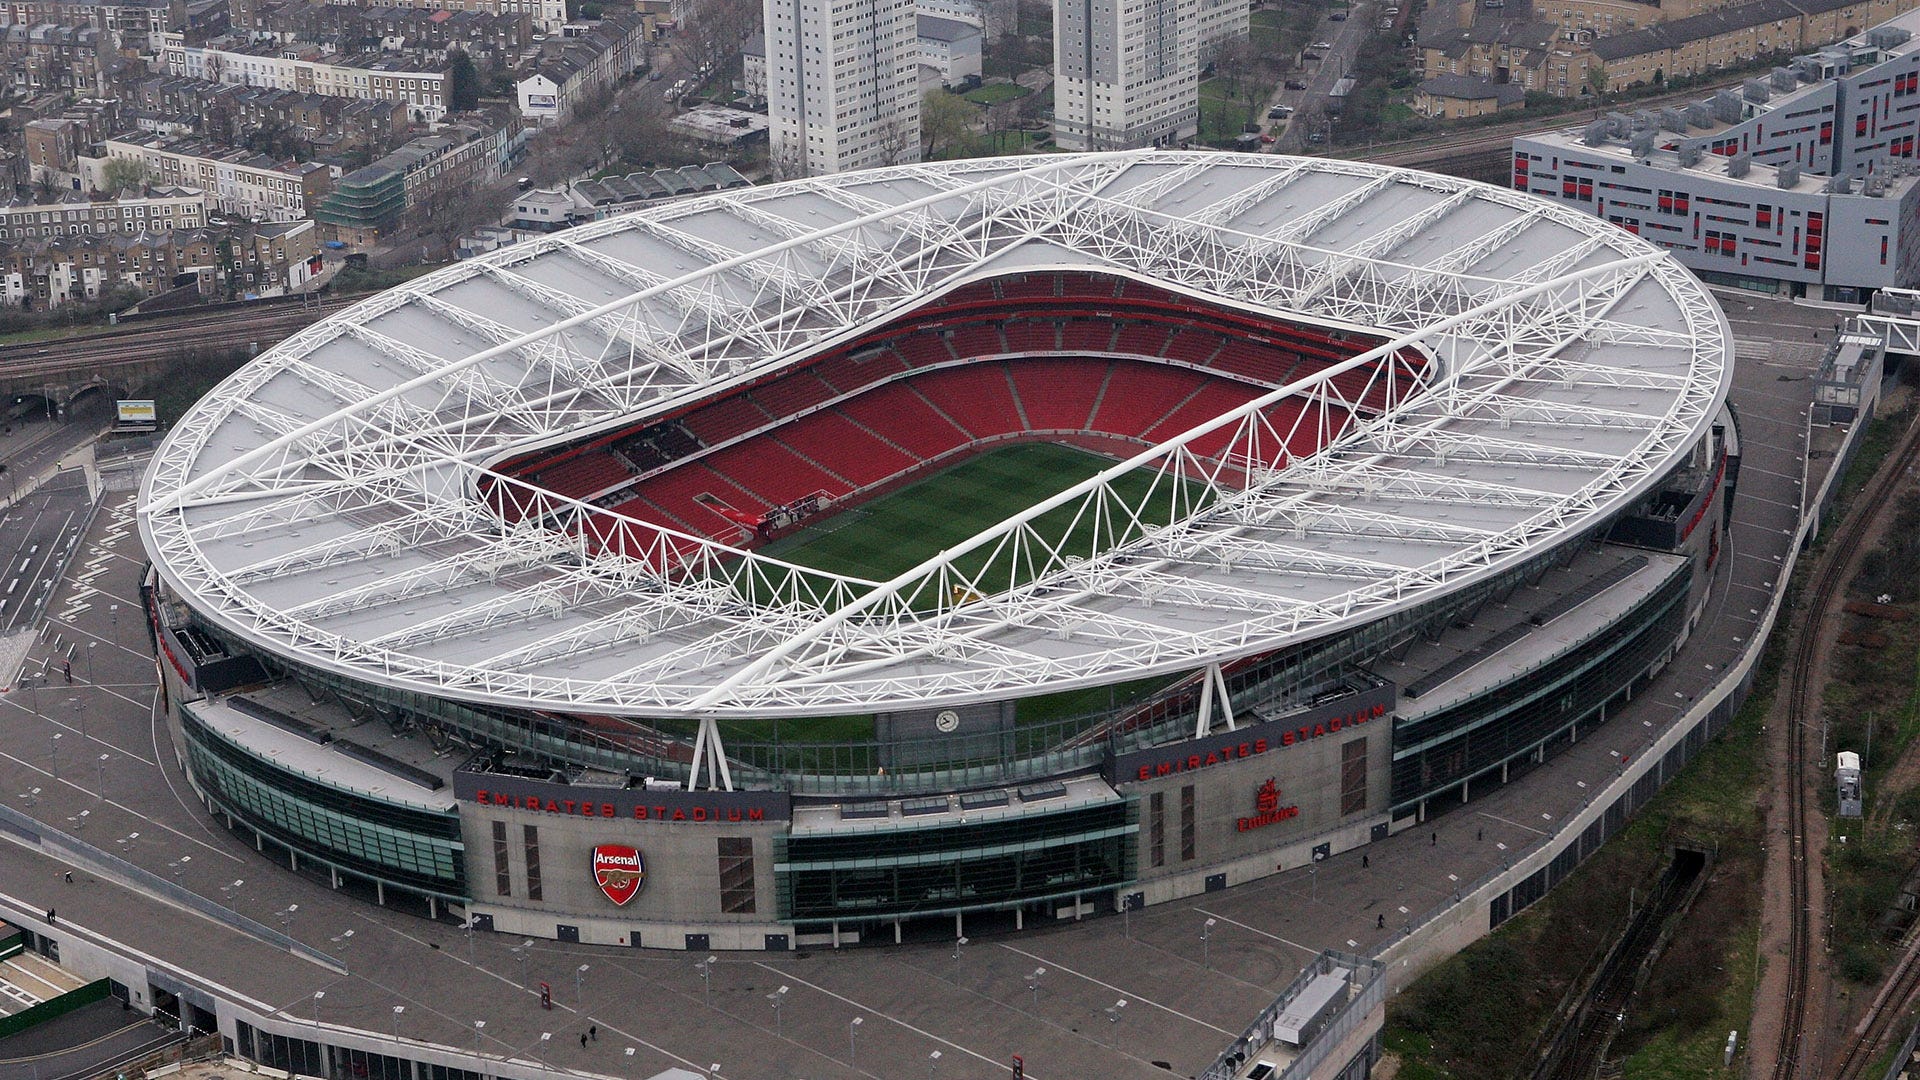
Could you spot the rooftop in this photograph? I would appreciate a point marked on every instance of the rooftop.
(343, 529)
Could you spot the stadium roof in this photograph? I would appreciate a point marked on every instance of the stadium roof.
(322, 502)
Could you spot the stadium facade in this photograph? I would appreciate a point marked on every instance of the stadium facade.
(502, 593)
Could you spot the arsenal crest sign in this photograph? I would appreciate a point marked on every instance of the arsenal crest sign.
(618, 871)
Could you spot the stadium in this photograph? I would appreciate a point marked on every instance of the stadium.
(939, 548)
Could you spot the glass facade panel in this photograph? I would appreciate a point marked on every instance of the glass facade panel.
(1436, 753)
(963, 867)
(402, 846)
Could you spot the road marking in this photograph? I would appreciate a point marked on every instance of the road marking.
(1128, 993)
(1257, 930)
(923, 1033)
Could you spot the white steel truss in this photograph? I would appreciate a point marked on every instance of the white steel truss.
(342, 500)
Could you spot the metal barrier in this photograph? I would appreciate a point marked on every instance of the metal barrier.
(1372, 991)
(78, 853)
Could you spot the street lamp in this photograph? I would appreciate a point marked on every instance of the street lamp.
(103, 777)
(1113, 1016)
(933, 1064)
(1126, 914)
(1033, 985)
(705, 968)
(397, 1010)
(478, 1027)
(853, 1046)
(776, 998)
(286, 916)
(1206, 943)
(579, 991)
(318, 995)
(90, 648)
(232, 889)
(546, 1039)
(957, 942)
(56, 754)
(522, 950)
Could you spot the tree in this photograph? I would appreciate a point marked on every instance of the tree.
(946, 124)
(1597, 77)
(123, 174)
(463, 82)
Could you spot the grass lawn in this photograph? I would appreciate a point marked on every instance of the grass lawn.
(995, 93)
(898, 531)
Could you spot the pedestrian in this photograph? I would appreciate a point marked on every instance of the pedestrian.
(583, 1040)
(1364, 861)
(593, 1032)
(69, 877)
(1380, 921)
(1480, 833)
(50, 916)
(1434, 840)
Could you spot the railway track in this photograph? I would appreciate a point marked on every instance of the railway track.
(133, 346)
(1802, 715)
(1872, 1031)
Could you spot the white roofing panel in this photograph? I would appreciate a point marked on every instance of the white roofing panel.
(322, 503)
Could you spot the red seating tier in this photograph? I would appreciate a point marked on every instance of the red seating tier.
(772, 472)
(982, 405)
(978, 341)
(921, 350)
(846, 448)
(584, 476)
(1032, 335)
(1060, 395)
(1139, 394)
(906, 418)
(726, 419)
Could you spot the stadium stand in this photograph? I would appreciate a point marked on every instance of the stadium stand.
(939, 381)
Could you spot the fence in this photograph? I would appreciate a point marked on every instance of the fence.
(78, 853)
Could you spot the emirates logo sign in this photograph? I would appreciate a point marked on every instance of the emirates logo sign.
(618, 871)
(1266, 809)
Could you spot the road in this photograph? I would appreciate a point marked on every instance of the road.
(113, 781)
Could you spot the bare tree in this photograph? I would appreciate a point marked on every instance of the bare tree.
(713, 31)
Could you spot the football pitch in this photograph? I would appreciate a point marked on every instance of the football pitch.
(892, 534)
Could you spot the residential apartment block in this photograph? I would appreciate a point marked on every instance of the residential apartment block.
(1805, 183)
(158, 209)
(311, 70)
(1126, 73)
(843, 84)
(587, 59)
(133, 24)
(240, 182)
(993, 17)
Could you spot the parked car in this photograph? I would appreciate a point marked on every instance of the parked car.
(1296, 84)
(1268, 139)
(1316, 137)
(1338, 16)
(1309, 55)
(1321, 45)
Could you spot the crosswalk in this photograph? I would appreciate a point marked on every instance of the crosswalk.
(100, 558)
(1752, 349)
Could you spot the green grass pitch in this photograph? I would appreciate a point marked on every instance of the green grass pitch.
(898, 531)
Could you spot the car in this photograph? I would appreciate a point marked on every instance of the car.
(1309, 55)
(1338, 16)
(1316, 137)
(1296, 84)
(1268, 139)
(653, 76)
(1393, 11)
(1321, 45)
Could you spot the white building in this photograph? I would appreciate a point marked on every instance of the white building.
(1222, 21)
(843, 84)
(1126, 73)
(157, 210)
(1803, 183)
(591, 58)
(952, 48)
(370, 76)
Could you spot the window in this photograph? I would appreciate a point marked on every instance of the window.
(1186, 824)
(502, 879)
(1353, 776)
(532, 837)
(1157, 829)
(736, 875)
